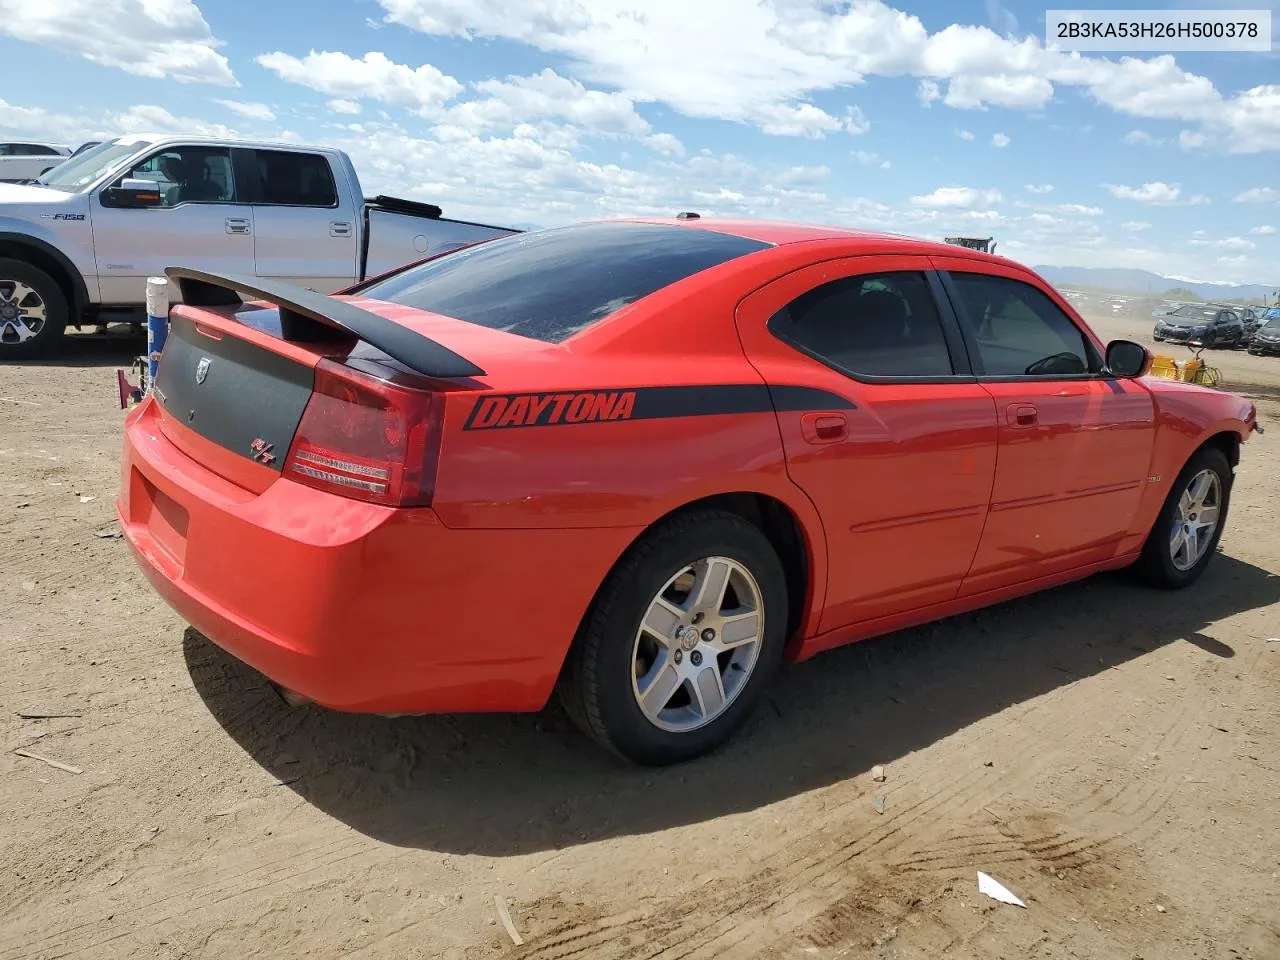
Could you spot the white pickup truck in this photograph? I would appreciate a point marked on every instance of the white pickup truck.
(77, 245)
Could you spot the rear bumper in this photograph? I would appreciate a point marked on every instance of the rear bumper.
(356, 606)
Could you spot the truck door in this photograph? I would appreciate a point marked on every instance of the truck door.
(201, 222)
(307, 226)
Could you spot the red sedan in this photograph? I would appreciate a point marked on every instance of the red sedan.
(641, 462)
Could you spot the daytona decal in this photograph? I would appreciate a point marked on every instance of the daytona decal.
(503, 411)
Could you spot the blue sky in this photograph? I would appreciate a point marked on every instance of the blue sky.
(938, 118)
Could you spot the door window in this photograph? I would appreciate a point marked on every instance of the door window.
(189, 175)
(882, 325)
(32, 150)
(1019, 331)
(296, 179)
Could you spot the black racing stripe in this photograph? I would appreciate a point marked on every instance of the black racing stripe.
(547, 409)
(789, 399)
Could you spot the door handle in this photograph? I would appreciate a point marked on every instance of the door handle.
(237, 225)
(824, 427)
(339, 229)
(1022, 415)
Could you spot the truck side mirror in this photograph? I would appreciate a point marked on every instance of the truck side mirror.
(132, 193)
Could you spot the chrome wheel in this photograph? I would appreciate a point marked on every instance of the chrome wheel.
(1195, 520)
(697, 645)
(22, 312)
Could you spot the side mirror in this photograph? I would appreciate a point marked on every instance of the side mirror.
(132, 193)
(1127, 359)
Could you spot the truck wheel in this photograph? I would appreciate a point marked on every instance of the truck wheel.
(681, 640)
(33, 311)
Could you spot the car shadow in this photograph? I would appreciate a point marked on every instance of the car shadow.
(118, 347)
(505, 785)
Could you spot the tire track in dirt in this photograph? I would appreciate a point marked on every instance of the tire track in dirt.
(788, 896)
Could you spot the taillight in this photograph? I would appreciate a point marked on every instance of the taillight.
(367, 439)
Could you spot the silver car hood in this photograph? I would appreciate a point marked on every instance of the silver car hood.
(26, 193)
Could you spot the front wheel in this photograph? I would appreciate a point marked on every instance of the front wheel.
(33, 311)
(680, 641)
(1186, 532)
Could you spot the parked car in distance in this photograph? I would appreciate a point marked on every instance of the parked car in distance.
(1208, 324)
(77, 245)
(641, 462)
(1249, 319)
(27, 159)
(1266, 338)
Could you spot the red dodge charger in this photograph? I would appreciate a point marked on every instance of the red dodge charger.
(641, 462)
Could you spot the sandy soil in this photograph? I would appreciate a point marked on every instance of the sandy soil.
(1109, 753)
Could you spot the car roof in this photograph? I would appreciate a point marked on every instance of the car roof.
(783, 232)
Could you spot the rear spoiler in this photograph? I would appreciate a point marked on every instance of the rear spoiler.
(306, 316)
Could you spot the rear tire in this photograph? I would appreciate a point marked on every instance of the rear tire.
(644, 636)
(1167, 560)
(33, 311)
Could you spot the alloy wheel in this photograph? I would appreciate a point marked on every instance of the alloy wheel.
(1195, 520)
(697, 644)
(22, 312)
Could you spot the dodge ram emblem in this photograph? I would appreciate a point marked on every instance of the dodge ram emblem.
(202, 369)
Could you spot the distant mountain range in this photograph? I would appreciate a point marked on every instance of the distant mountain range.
(1144, 281)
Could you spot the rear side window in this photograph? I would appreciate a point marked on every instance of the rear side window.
(883, 325)
(550, 284)
(296, 179)
(1019, 331)
(33, 150)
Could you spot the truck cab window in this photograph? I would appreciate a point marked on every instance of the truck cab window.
(296, 179)
(189, 175)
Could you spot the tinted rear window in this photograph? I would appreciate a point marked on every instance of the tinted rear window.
(551, 284)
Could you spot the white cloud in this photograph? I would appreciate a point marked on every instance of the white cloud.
(1078, 209)
(957, 197)
(1266, 230)
(1258, 195)
(1237, 260)
(1000, 140)
(1136, 137)
(254, 111)
(1040, 189)
(1155, 193)
(869, 159)
(164, 39)
(1225, 243)
(423, 90)
(752, 57)
(1136, 226)
(349, 107)
(665, 143)
(39, 124)
(1192, 139)
(548, 96)
(806, 120)
(964, 134)
(147, 118)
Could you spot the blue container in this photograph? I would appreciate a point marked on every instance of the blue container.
(157, 324)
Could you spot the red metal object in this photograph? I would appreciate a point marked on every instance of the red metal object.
(915, 500)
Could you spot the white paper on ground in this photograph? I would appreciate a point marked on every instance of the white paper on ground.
(997, 891)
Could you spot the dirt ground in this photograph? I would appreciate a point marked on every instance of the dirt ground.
(1107, 752)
